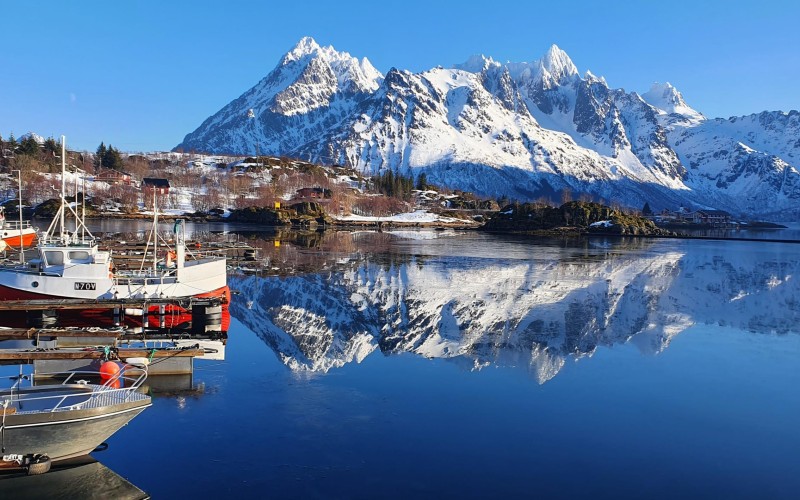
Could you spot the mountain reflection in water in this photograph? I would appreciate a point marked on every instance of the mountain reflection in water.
(484, 300)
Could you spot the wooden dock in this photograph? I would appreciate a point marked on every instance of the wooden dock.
(162, 361)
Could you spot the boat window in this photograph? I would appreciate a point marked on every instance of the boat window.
(78, 255)
(54, 258)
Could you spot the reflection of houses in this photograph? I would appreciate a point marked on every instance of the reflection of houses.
(112, 176)
(154, 185)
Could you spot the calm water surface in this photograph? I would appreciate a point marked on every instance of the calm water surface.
(444, 364)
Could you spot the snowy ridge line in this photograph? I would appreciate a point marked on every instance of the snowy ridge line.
(523, 130)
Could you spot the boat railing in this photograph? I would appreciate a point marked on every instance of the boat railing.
(15, 225)
(73, 240)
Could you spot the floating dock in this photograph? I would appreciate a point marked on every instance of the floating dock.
(162, 361)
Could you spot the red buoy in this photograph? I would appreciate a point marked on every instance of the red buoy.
(108, 370)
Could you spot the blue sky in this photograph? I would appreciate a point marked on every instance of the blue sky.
(141, 74)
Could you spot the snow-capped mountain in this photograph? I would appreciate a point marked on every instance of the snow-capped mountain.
(525, 130)
(529, 308)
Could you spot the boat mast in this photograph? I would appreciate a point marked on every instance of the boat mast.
(155, 231)
(19, 208)
(76, 204)
(63, 182)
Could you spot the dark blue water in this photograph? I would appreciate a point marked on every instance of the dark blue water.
(475, 366)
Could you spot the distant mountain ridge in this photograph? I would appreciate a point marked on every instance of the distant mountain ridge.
(524, 130)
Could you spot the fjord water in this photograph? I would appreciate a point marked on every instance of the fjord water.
(445, 364)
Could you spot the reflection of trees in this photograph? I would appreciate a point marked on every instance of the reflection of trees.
(286, 251)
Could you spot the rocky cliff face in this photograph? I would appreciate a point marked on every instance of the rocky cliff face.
(519, 129)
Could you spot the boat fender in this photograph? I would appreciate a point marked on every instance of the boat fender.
(138, 362)
(38, 464)
(108, 371)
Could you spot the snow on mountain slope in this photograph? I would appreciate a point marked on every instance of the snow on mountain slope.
(524, 130)
(748, 163)
(668, 101)
(286, 104)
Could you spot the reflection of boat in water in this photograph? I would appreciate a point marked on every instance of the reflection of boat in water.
(82, 477)
(15, 234)
(69, 418)
(70, 264)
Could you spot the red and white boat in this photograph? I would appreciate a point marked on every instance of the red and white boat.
(15, 234)
(71, 265)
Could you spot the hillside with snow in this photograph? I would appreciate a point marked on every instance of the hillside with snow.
(524, 130)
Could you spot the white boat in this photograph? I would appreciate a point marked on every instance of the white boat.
(67, 415)
(71, 265)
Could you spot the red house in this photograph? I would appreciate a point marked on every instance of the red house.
(312, 193)
(154, 185)
(112, 176)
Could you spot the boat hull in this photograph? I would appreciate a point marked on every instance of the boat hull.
(12, 237)
(67, 434)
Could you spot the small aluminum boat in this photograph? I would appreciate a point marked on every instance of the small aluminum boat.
(65, 415)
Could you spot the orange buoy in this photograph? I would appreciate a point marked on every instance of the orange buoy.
(108, 370)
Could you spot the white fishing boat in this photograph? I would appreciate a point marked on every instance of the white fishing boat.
(70, 264)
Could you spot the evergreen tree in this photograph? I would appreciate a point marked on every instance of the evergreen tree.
(422, 182)
(51, 147)
(29, 146)
(112, 158)
(646, 209)
(99, 155)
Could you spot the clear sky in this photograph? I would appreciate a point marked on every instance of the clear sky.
(142, 74)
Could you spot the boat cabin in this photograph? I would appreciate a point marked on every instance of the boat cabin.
(75, 262)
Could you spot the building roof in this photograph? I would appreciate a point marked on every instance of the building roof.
(155, 182)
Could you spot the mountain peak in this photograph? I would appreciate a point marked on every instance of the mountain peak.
(666, 97)
(477, 64)
(592, 78)
(351, 73)
(306, 46)
(558, 64)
